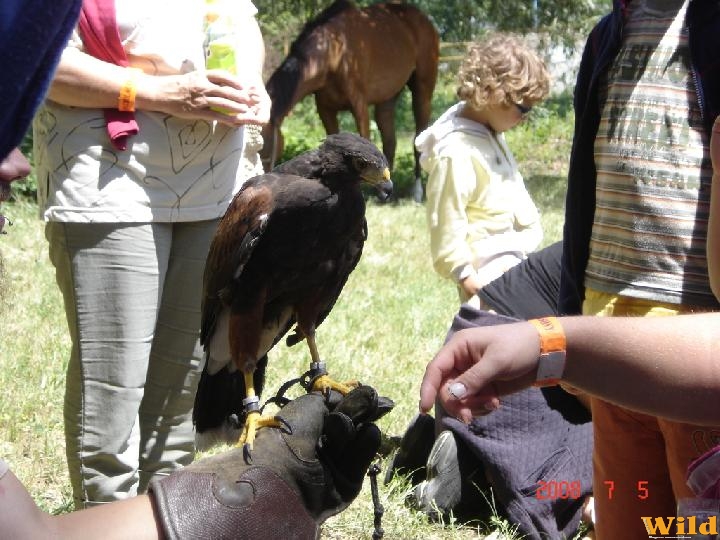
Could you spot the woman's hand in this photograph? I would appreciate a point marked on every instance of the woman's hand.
(477, 366)
(471, 285)
(14, 166)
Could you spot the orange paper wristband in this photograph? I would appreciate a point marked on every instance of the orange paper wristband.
(551, 362)
(126, 97)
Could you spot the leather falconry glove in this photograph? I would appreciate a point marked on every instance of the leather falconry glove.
(300, 474)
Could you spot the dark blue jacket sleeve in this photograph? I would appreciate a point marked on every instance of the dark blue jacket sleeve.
(33, 34)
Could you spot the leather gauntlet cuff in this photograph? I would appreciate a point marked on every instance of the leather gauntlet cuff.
(194, 505)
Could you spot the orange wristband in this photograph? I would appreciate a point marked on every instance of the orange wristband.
(551, 362)
(126, 98)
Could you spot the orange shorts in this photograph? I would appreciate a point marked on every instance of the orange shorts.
(639, 461)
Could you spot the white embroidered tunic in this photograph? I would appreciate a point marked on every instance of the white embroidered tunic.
(173, 169)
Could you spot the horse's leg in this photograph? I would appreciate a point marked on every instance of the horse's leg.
(359, 109)
(385, 119)
(328, 117)
(421, 86)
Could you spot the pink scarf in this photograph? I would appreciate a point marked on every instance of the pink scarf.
(99, 31)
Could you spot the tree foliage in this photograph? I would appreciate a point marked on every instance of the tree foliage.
(458, 20)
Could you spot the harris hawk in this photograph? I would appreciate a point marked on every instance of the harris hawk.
(280, 257)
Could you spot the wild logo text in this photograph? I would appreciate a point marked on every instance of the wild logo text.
(672, 527)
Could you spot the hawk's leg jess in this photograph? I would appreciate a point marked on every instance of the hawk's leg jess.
(321, 380)
(253, 420)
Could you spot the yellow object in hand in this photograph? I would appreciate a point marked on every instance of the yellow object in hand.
(221, 55)
(221, 43)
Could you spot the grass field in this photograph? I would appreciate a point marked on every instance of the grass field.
(391, 318)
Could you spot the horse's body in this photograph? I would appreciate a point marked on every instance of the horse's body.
(351, 58)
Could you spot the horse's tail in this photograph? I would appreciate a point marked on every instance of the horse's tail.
(273, 145)
(282, 86)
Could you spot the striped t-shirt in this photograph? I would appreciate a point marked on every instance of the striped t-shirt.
(653, 167)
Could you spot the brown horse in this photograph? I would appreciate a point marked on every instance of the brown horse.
(351, 58)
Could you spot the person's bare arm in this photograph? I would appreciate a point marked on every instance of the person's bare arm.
(665, 366)
(129, 518)
(82, 80)
(713, 235)
(21, 518)
(713, 238)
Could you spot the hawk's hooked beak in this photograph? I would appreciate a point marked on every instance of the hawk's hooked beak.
(381, 182)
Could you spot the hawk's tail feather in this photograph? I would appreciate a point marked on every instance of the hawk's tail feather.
(218, 414)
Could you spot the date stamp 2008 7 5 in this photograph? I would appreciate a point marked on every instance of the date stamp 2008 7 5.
(572, 489)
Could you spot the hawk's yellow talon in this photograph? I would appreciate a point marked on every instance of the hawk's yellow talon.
(325, 383)
(253, 420)
(253, 423)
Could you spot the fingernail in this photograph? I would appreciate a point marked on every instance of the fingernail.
(421, 409)
(491, 405)
(457, 390)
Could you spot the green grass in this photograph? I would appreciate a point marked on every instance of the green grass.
(390, 319)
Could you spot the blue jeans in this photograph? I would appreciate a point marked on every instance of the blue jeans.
(132, 297)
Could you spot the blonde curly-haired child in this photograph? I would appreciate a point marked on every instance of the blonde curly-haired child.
(482, 220)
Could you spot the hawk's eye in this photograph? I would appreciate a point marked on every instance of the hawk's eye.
(359, 164)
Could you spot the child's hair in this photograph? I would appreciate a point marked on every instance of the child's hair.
(502, 70)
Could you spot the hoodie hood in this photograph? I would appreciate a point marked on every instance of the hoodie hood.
(449, 122)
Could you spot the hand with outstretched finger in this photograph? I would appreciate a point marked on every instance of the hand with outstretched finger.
(477, 366)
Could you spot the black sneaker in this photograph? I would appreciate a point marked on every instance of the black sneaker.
(412, 454)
